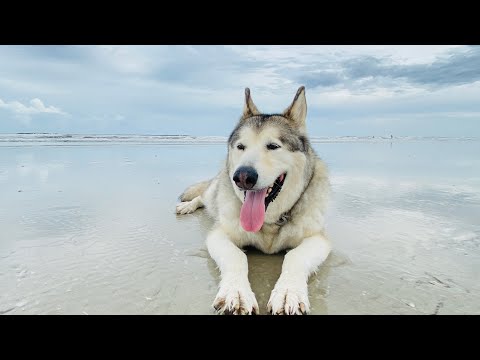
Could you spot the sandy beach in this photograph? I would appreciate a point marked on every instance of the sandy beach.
(90, 228)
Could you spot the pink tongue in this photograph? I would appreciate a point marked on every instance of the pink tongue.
(252, 214)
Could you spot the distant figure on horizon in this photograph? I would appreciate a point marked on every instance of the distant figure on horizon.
(391, 136)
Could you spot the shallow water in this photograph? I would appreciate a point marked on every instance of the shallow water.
(91, 229)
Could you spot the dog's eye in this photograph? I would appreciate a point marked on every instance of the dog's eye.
(240, 147)
(272, 146)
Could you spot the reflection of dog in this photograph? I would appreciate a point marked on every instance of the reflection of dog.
(271, 194)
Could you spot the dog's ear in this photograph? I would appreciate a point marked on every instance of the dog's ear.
(297, 111)
(249, 108)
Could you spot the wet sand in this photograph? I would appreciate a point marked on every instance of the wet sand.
(91, 229)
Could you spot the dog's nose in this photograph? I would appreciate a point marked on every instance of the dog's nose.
(245, 177)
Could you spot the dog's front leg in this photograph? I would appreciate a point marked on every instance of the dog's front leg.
(290, 294)
(235, 295)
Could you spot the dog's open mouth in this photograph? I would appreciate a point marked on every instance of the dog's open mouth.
(252, 214)
(272, 191)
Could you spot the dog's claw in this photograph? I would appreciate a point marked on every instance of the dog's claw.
(219, 305)
(302, 308)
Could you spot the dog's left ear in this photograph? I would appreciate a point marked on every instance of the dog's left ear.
(249, 108)
(297, 111)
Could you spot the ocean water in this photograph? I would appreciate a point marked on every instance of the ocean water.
(88, 226)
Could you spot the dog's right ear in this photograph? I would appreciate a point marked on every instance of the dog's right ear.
(249, 109)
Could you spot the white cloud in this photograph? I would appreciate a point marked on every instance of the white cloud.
(36, 107)
(402, 54)
(133, 60)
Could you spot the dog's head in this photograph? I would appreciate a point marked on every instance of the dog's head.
(268, 154)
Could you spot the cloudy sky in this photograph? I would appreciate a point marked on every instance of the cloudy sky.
(199, 90)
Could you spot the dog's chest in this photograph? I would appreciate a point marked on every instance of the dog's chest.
(269, 238)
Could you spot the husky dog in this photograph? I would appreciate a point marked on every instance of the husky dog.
(271, 194)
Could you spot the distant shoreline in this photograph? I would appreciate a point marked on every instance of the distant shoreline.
(56, 138)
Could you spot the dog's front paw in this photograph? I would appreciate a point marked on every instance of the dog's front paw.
(236, 300)
(186, 207)
(289, 297)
